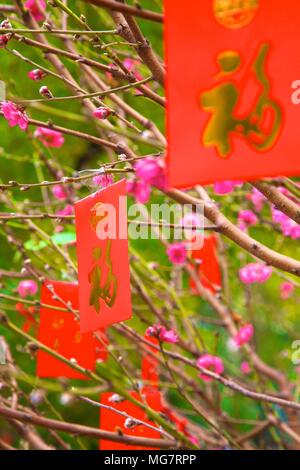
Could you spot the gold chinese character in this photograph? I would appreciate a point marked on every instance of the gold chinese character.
(261, 126)
(105, 289)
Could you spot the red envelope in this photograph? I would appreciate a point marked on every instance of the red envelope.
(209, 269)
(60, 331)
(103, 264)
(110, 421)
(231, 68)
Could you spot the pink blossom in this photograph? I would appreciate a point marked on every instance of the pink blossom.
(151, 171)
(49, 138)
(278, 217)
(177, 253)
(290, 228)
(59, 192)
(164, 335)
(101, 113)
(246, 219)
(226, 187)
(255, 272)
(245, 368)
(257, 199)
(244, 335)
(27, 288)
(36, 74)
(68, 210)
(295, 232)
(140, 190)
(286, 290)
(103, 180)
(14, 115)
(212, 363)
(37, 8)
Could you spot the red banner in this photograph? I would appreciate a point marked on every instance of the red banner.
(232, 71)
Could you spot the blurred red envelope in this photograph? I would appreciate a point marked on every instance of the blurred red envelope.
(103, 264)
(110, 421)
(231, 70)
(60, 331)
(209, 268)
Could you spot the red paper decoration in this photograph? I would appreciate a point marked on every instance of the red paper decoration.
(232, 66)
(60, 331)
(111, 421)
(208, 269)
(103, 264)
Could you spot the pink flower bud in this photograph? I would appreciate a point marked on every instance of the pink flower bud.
(36, 74)
(4, 38)
(115, 398)
(161, 333)
(177, 253)
(44, 91)
(130, 423)
(5, 24)
(101, 113)
(212, 363)
(27, 288)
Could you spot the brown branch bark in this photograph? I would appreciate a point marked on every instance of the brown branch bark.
(131, 10)
(280, 201)
(80, 430)
(144, 49)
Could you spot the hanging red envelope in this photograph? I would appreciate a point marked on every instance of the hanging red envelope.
(59, 330)
(208, 268)
(103, 263)
(232, 67)
(110, 420)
